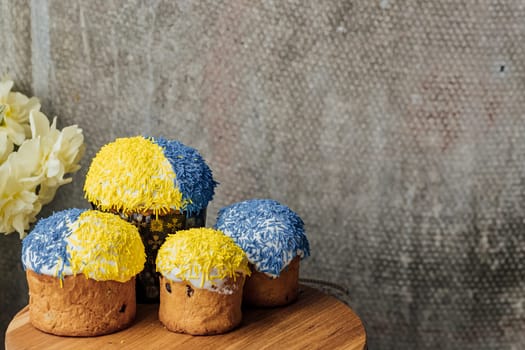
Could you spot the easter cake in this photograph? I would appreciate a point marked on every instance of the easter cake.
(80, 267)
(202, 278)
(273, 238)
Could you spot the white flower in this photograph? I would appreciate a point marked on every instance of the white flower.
(14, 113)
(19, 203)
(59, 153)
(30, 176)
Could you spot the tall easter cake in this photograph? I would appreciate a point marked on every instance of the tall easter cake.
(80, 267)
(202, 278)
(273, 237)
(159, 185)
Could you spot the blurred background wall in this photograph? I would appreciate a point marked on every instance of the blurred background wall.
(394, 128)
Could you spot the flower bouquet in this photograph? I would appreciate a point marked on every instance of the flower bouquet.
(34, 158)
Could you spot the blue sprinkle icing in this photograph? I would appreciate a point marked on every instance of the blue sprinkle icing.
(194, 178)
(45, 246)
(270, 233)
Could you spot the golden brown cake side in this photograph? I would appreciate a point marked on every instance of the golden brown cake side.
(262, 290)
(82, 306)
(187, 309)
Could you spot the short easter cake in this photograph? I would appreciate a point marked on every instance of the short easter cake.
(80, 267)
(202, 278)
(273, 238)
(159, 185)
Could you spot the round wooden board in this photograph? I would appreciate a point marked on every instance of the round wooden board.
(315, 320)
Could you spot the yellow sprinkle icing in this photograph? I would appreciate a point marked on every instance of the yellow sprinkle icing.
(104, 247)
(132, 175)
(201, 253)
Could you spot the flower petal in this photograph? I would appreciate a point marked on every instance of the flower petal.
(5, 88)
(39, 123)
(6, 146)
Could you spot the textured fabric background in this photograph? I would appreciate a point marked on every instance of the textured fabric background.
(394, 128)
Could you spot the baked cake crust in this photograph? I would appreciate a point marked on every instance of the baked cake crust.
(264, 291)
(82, 306)
(187, 309)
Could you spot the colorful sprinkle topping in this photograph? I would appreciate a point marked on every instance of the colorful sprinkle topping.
(193, 176)
(105, 247)
(140, 174)
(44, 250)
(132, 175)
(270, 233)
(201, 253)
(77, 241)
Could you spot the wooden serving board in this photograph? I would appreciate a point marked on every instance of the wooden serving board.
(315, 320)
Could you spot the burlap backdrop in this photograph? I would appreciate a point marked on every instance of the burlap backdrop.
(394, 128)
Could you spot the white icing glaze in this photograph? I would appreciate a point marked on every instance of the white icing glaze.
(215, 285)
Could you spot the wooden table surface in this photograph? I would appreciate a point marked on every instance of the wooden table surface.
(315, 320)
